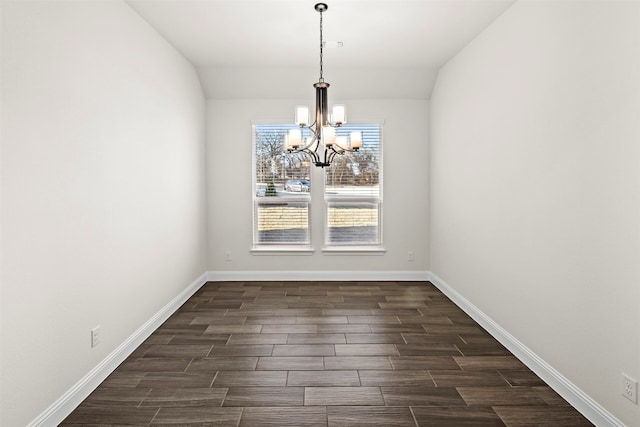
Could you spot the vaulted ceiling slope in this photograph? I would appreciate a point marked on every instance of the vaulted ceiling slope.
(270, 48)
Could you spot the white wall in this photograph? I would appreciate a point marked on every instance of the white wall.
(405, 151)
(1, 133)
(535, 175)
(103, 200)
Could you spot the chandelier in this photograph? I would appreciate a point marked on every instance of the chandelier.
(318, 140)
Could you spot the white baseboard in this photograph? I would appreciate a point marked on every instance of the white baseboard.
(279, 276)
(588, 407)
(62, 407)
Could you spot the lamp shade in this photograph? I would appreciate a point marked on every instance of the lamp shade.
(302, 115)
(356, 140)
(328, 135)
(294, 138)
(339, 114)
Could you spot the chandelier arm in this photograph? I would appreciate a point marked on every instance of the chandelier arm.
(315, 137)
(313, 156)
(341, 150)
(329, 159)
(306, 149)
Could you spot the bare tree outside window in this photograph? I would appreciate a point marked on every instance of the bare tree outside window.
(269, 156)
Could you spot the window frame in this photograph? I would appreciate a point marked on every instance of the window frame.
(377, 247)
(259, 247)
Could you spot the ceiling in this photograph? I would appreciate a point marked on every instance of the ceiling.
(270, 48)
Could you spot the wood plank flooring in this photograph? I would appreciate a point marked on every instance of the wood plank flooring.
(322, 354)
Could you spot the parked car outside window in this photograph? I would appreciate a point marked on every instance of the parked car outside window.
(299, 185)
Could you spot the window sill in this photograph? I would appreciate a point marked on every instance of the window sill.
(285, 250)
(353, 250)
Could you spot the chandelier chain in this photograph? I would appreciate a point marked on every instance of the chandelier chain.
(321, 47)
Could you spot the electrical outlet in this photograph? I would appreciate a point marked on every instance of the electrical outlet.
(630, 388)
(95, 336)
(227, 256)
(411, 256)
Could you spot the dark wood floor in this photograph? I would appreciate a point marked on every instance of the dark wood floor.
(323, 354)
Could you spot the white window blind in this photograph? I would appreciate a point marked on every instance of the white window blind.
(282, 222)
(353, 191)
(282, 184)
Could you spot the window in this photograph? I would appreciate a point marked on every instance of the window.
(352, 207)
(282, 185)
(353, 192)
